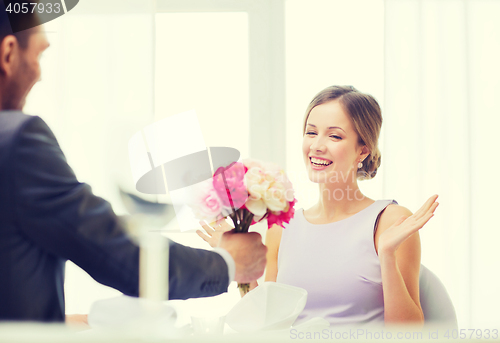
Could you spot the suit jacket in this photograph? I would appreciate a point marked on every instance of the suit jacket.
(48, 217)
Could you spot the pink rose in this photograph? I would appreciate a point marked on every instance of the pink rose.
(205, 202)
(232, 189)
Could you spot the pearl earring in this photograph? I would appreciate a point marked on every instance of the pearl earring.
(360, 164)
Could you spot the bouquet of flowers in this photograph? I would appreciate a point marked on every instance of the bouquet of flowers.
(247, 192)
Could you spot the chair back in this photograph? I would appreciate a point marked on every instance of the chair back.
(435, 301)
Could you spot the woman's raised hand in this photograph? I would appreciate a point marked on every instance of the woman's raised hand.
(214, 231)
(404, 227)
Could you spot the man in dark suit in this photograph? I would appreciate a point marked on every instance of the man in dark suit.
(48, 217)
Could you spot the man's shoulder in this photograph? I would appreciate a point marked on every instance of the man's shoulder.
(13, 126)
(11, 122)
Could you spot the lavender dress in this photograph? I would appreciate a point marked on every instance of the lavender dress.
(338, 266)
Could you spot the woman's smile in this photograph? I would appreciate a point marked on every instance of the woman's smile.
(318, 163)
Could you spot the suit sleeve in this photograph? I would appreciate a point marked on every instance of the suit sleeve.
(63, 217)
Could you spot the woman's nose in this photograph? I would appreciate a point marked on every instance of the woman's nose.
(317, 145)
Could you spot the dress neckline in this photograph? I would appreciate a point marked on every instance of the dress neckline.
(338, 221)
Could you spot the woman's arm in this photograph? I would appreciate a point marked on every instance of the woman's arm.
(273, 239)
(398, 245)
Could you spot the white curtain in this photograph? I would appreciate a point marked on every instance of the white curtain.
(441, 116)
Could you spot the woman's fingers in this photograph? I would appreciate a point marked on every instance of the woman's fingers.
(219, 225)
(428, 215)
(433, 207)
(208, 228)
(429, 211)
(420, 222)
(222, 225)
(425, 207)
(214, 231)
(212, 226)
(203, 236)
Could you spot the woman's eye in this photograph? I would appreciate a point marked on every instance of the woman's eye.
(310, 133)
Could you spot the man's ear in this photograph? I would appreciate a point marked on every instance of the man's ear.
(8, 55)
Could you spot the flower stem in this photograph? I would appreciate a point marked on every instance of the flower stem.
(244, 288)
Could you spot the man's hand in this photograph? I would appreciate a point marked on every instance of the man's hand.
(248, 253)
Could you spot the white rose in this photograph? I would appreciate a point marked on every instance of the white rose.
(275, 197)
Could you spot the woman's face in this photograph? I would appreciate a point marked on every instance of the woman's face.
(330, 146)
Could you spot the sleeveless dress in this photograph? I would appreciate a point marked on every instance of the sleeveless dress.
(337, 264)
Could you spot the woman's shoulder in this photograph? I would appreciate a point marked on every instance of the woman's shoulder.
(391, 213)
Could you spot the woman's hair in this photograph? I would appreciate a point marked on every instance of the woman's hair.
(366, 116)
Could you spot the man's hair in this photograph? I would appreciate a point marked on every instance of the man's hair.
(18, 24)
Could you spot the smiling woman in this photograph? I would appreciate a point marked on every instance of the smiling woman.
(364, 116)
(372, 247)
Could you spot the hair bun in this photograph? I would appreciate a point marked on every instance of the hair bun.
(370, 166)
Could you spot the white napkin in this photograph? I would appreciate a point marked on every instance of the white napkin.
(316, 323)
(270, 306)
(128, 313)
